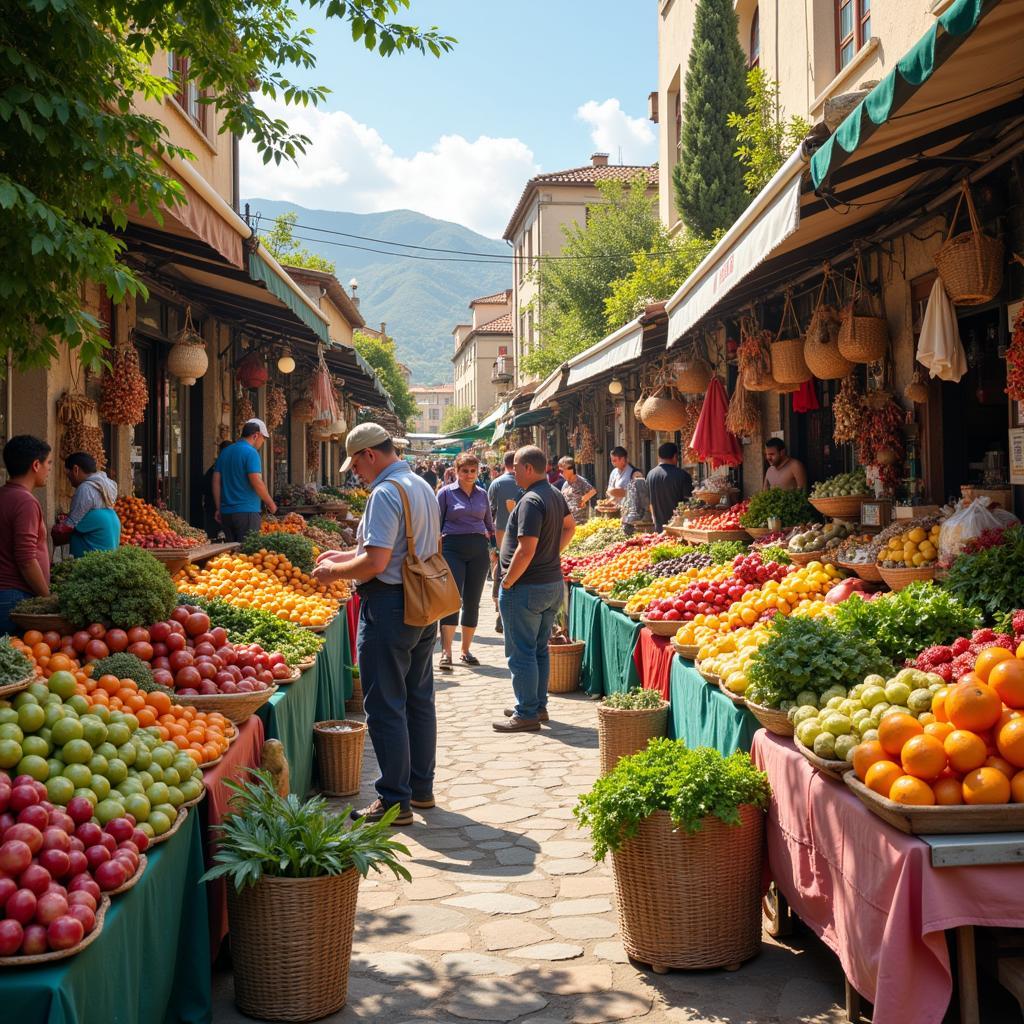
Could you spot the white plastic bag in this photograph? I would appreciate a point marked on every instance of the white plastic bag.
(971, 519)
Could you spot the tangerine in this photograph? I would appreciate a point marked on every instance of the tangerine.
(965, 750)
(910, 790)
(1010, 742)
(923, 757)
(1017, 788)
(881, 775)
(940, 730)
(973, 704)
(894, 730)
(948, 791)
(994, 761)
(986, 786)
(1007, 679)
(939, 704)
(867, 754)
(988, 659)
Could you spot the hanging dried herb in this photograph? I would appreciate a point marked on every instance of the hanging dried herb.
(880, 437)
(847, 410)
(277, 407)
(243, 413)
(1015, 360)
(743, 416)
(123, 391)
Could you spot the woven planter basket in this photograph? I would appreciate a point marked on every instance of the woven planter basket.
(236, 707)
(291, 943)
(566, 659)
(692, 376)
(897, 579)
(661, 627)
(863, 339)
(677, 907)
(788, 366)
(821, 342)
(825, 360)
(843, 507)
(662, 413)
(772, 719)
(803, 558)
(621, 732)
(970, 264)
(44, 623)
(339, 756)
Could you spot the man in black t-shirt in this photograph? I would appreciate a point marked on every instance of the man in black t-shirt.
(539, 528)
(668, 485)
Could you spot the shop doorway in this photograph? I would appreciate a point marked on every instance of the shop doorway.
(809, 435)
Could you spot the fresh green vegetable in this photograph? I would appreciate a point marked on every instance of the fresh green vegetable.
(993, 579)
(39, 606)
(775, 553)
(663, 552)
(125, 587)
(803, 655)
(59, 573)
(624, 589)
(843, 485)
(634, 700)
(323, 523)
(905, 622)
(791, 507)
(296, 548)
(667, 776)
(14, 666)
(724, 551)
(127, 666)
(286, 837)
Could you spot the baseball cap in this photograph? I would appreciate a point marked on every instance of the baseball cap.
(366, 435)
(261, 425)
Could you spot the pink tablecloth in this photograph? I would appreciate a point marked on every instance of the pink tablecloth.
(869, 890)
(653, 659)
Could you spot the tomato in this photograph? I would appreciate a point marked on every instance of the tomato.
(97, 630)
(142, 649)
(138, 635)
(96, 649)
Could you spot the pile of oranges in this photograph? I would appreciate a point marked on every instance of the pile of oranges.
(630, 562)
(291, 523)
(142, 526)
(971, 753)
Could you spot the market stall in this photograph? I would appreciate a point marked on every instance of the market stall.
(702, 715)
(610, 638)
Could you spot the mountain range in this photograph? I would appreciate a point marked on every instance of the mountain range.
(420, 300)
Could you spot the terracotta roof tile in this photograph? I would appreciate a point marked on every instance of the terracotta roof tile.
(499, 325)
(493, 300)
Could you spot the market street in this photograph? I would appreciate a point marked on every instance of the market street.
(506, 894)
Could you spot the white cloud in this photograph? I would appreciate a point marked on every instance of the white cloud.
(611, 128)
(349, 166)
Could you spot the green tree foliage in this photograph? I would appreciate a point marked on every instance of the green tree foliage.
(765, 139)
(573, 291)
(455, 418)
(380, 354)
(708, 180)
(78, 151)
(280, 242)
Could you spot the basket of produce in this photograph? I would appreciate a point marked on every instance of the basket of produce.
(566, 659)
(736, 698)
(898, 578)
(133, 880)
(840, 496)
(339, 756)
(44, 621)
(634, 615)
(16, 670)
(818, 543)
(841, 508)
(661, 627)
(688, 651)
(774, 720)
(613, 602)
(626, 722)
(237, 707)
(834, 768)
(52, 949)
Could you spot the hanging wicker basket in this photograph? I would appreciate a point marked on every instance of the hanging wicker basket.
(863, 336)
(691, 900)
(788, 366)
(302, 410)
(692, 376)
(821, 342)
(759, 381)
(622, 732)
(754, 356)
(916, 391)
(187, 359)
(970, 264)
(661, 412)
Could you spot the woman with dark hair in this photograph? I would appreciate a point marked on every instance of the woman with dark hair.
(467, 531)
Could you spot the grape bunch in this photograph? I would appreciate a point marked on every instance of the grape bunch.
(674, 566)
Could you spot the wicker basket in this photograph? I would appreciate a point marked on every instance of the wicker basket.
(845, 507)
(662, 627)
(788, 365)
(19, 684)
(677, 907)
(692, 376)
(688, 651)
(867, 571)
(825, 360)
(863, 339)
(621, 732)
(355, 702)
(832, 767)
(754, 381)
(291, 943)
(970, 264)
(897, 579)
(736, 698)
(566, 659)
(236, 707)
(339, 756)
(22, 961)
(663, 413)
(757, 532)
(803, 558)
(772, 719)
(43, 623)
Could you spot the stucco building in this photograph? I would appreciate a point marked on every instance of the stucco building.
(483, 360)
(432, 401)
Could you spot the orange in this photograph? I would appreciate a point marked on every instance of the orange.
(923, 757)
(1017, 788)
(61, 663)
(940, 730)
(939, 704)
(894, 730)
(146, 717)
(159, 702)
(867, 754)
(973, 704)
(32, 637)
(988, 659)
(910, 790)
(1010, 742)
(965, 750)
(948, 791)
(986, 786)
(1002, 764)
(1007, 679)
(881, 775)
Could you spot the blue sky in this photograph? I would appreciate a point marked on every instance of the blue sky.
(531, 86)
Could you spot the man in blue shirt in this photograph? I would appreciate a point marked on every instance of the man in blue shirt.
(238, 486)
(93, 523)
(503, 490)
(395, 659)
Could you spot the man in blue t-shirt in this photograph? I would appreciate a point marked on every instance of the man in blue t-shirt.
(238, 486)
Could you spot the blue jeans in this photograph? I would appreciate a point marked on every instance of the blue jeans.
(527, 614)
(8, 599)
(397, 672)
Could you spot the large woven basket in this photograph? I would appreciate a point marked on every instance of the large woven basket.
(755, 381)
(897, 579)
(662, 413)
(970, 264)
(692, 376)
(691, 900)
(867, 571)
(825, 360)
(788, 365)
(772, 719)
(236, 707)
(43, 623)
(566, 659)
(291, 942)
(844, 507)
(339, 756)
(803, 558)
(621, 732)
(662, 627)
(863, 339)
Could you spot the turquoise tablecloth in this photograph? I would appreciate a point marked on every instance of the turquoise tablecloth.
(150, 964)
(289, 716)
(334, 671)
(703, 716)
(610, 637)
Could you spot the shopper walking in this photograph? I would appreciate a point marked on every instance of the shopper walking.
(531, 591)
(502, 495)
(24, 552)
(238, 486)
(576, 489)
(394, 659)
(468, 545)
(92, 524)
(668, 484)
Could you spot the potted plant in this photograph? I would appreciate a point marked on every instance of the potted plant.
(626, 721)
(684, 827)
(293, 869)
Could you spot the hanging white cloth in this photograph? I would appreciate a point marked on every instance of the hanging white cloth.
(940, 349)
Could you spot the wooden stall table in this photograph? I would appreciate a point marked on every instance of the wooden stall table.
(702, 715)
(177, 558)
(874, 894)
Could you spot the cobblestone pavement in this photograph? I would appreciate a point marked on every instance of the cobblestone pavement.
(507, 916)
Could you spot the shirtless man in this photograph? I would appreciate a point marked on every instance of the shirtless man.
(783, 470)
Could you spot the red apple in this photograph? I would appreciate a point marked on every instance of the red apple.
(36, 878)
(21, 907)
(15, 856)
(49, 907)
(11, 937)
(57, 862)
(79, 809)
(82, 898)
(89, 832)
(63, 933)
(84, 914)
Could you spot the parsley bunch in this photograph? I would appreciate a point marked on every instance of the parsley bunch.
(14, 666)
(634, 700)
(992, 579)
(792, 507)
(124, 587)
(723, 551)
(690, 784)
(624, 589)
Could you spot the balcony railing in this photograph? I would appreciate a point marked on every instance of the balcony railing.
(502, 370)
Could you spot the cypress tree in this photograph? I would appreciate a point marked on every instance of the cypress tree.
(708, 179)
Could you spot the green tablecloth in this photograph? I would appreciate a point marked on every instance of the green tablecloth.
(334, 671)
(150, 964)
(610, 637)
(289, 716)
(703, 716)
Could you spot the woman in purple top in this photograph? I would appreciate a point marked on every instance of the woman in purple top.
(467, 533)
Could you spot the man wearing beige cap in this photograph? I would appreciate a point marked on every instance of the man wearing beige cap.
(395, 660)
(237, 483)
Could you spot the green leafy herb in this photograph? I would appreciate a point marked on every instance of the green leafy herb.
(323, 523)
(39, 606)
(285, 837)
(792, 507)
(663, 552)
(668, 776)
(127, 666)
(993, 579)
(723, 551)
(634, 700)
(296, 548)
(14, 666)
(775, 553)
(124, 587)
(623, 589)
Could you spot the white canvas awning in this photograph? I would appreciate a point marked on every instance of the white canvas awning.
(609, 353)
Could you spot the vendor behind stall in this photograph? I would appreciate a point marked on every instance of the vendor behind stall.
(92, 524)
(622, 472)
(783, 470)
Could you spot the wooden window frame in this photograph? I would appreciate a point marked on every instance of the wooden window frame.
(858, 36)
(188, 95)
(754, 58)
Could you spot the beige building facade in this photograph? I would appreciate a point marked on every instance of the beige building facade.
(432, 401)
(483, 361)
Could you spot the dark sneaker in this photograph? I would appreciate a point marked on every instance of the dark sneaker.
(542, 715)
(469, 659)
(445, 664)
(377, 810)
(516, 724)
(423, 802)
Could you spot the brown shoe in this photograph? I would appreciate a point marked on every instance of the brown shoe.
(375, 811)
(516, 724)
(542, 715)
(423, 802)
